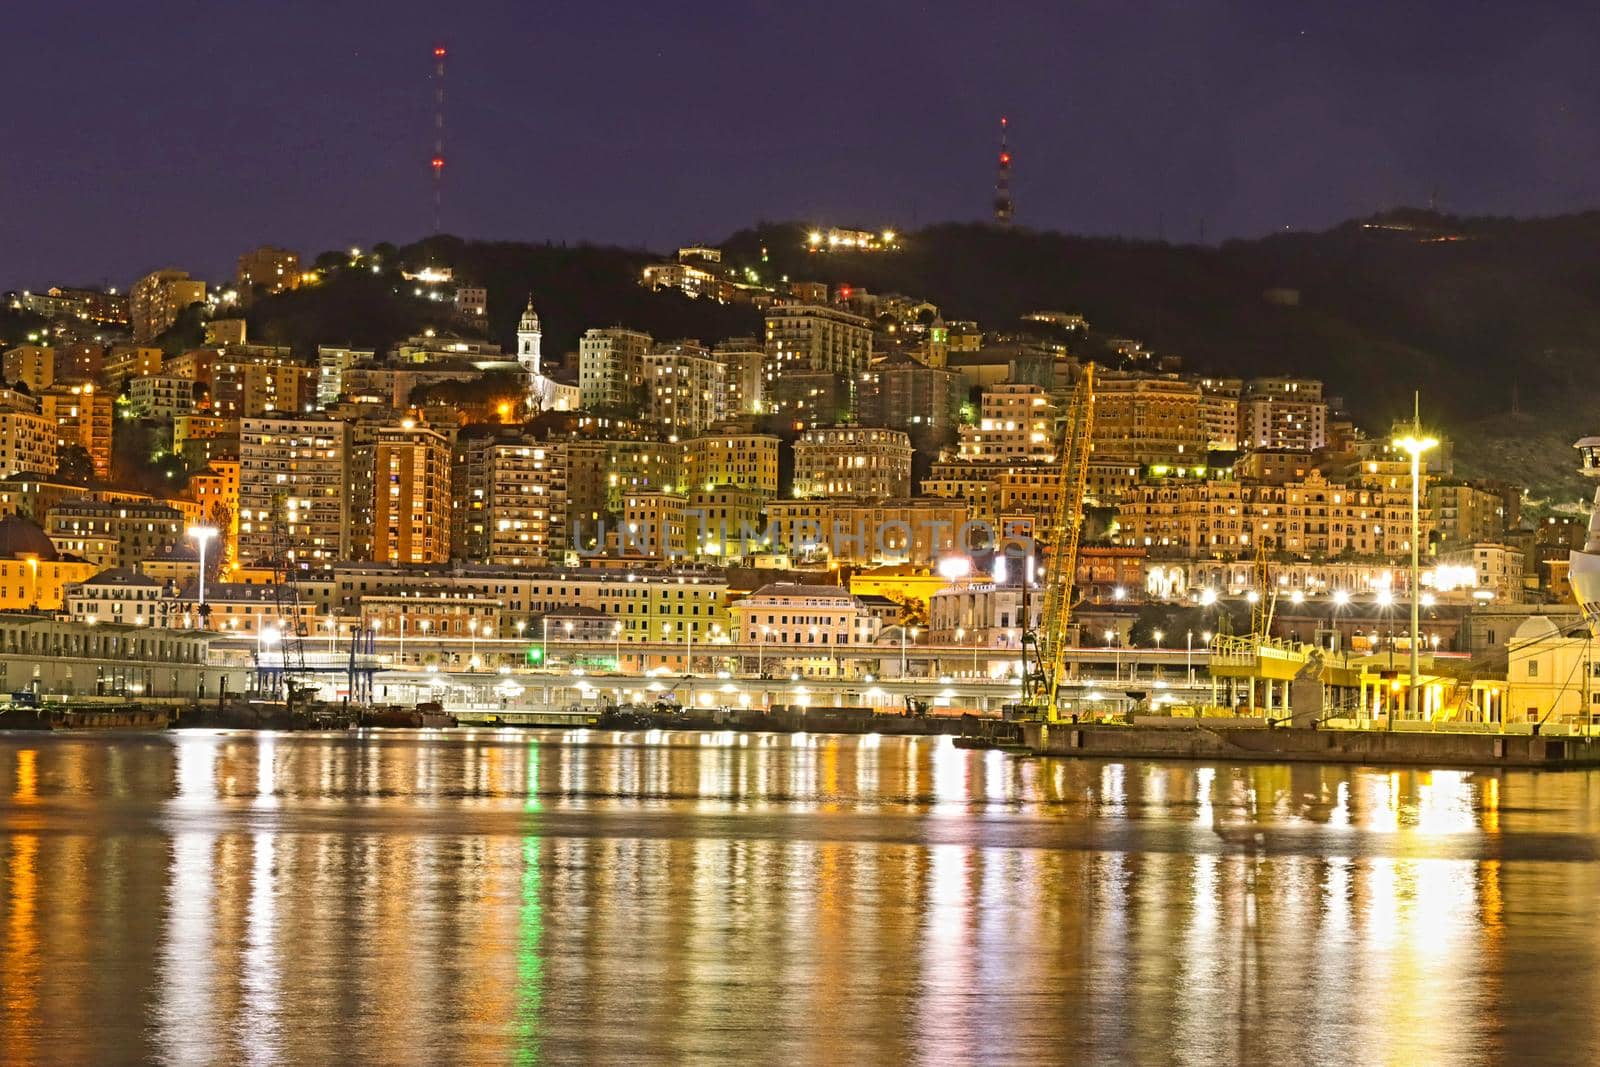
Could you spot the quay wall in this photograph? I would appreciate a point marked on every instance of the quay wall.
(1292, 745)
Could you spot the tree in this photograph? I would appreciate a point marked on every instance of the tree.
(74, 465)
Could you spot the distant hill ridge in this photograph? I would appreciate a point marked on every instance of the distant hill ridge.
(1496, 321)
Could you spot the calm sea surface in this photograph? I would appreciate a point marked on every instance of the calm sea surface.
(512, 897)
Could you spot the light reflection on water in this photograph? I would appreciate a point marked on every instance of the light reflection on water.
(499, 896)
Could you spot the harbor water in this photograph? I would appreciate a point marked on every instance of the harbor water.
(499, 896)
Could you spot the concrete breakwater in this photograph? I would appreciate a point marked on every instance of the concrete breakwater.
(1201, 741)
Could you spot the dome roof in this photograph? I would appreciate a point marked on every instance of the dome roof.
(20, 537)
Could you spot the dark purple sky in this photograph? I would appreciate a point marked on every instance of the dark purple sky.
(156, 134)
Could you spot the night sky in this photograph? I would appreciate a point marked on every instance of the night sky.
(164, 134)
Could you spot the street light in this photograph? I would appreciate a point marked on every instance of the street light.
(761, 652)
(202, 534)
(472, 655)
(904, 670)
(1414, 445)
(1111, 635)
(1158, 635)
(1341, 599)
(616, 635)
(33, 570)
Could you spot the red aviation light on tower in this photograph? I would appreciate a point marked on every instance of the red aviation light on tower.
(437, 162)
(439, 52)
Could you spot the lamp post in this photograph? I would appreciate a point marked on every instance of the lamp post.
(1111, 636)
(472, 654)
(332, 626)
(201, 535)
(33, 572)
(761, 652)
(1414, 444)
(1188, 656)
(616, 635)
(904, 630)
(567, 626)
(544, 643)
(1340, 600)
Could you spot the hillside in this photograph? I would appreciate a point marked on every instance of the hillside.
(1485, 317)
(573, 290)
(1495, 321)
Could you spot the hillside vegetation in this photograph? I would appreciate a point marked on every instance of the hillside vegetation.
(1495, 321)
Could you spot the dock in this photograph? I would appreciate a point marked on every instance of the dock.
(1217, 741)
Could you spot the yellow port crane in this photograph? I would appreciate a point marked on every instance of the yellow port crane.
(1060, 542)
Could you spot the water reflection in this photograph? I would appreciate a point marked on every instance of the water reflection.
(495, 895)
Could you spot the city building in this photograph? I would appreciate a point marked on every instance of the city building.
(105, 307)
(33, 575)
(203, 439)
(263, 381)
(160, 397)
(653, 526)
(685, 389)
(270, 269)
(113, 534)
(215, 488)
(810, 337)
(82, 416)
(31, 365)
(1464, 514)
(723, 520)
(918, 531)
(27, 438)
(411, 503)
(1551, 675)
(294, 476)
(128, 361)
(982, 613)
(332, 362)
(853, 461)
(1282, 413)
(118, 595)
(157, 300)
(746, 460)
(1195, 519)
(1148, 419)
(812, 398)
(509, 500)
(611, 368)
(1219, 412)
(799, 626)
(472, 302)
(902, 394)
(1490, 570)
(1015, 422)
(746, 362)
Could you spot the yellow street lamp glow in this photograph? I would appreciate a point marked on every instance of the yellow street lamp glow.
(1415, 446)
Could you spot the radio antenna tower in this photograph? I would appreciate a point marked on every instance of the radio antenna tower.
(437, 162)
(1003, 208)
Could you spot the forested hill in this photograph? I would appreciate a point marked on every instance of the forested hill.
(1495, 321)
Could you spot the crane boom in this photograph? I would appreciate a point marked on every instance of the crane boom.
(1061, 542)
